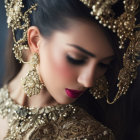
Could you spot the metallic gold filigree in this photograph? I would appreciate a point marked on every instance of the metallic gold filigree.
(60, 122)
(31, 83)
(130, 63)
(124, 26)
(18, 21)
(100, 88)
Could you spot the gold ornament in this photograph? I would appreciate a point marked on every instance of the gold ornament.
(125, 27)
(18, 21)
(24, 120)
(59, 122)
(31, 83)
(100, 89)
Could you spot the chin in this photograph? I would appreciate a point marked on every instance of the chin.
(65, 102)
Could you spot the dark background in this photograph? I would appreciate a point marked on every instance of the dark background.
(128, 105)
(3, 38)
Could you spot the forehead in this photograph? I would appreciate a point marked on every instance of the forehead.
(86, 34)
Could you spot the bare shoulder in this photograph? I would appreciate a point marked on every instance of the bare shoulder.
(84, 127)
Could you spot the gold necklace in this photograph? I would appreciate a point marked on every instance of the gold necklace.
(21, 119)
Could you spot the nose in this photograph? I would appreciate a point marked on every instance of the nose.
(87, 76)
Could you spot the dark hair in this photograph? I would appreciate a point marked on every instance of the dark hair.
(52, 15)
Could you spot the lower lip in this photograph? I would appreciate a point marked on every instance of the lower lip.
(72, 93)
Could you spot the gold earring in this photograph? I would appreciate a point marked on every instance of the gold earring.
(100, 89)
(31, 83)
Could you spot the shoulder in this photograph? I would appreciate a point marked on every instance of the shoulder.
(82, 126)
(77, 126)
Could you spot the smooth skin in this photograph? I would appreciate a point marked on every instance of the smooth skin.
(82, 41)
(72, 58)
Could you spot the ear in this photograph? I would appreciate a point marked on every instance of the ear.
(33, 37)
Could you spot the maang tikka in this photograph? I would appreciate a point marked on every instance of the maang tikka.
(31, 83)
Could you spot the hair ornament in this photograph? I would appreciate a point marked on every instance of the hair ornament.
(18, 20)
(125, 27)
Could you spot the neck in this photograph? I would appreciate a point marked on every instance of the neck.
(18, 95)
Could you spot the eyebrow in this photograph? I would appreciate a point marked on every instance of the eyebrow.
(87, 52)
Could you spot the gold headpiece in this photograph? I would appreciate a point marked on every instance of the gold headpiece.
(18, 21)
(124, 26)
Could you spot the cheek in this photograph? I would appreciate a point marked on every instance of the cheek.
(63, 69)
(55, 66)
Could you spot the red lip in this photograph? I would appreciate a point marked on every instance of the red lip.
(73, 93)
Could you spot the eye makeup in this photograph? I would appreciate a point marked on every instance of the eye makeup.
(75, 61)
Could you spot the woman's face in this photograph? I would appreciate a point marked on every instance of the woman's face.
(71, 60)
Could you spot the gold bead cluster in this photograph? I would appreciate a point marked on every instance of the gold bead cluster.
(101, 84)
(124, 26)
(23, 119)
(31, 83)
(18, 21)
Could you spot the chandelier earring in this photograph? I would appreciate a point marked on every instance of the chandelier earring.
(100, 89)
(31, 83)
(125, 25)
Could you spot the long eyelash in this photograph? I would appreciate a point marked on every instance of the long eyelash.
(102, 65)
(75, 61)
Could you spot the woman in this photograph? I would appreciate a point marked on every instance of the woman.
(69, 52)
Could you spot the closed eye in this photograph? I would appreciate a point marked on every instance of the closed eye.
(76, 61)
